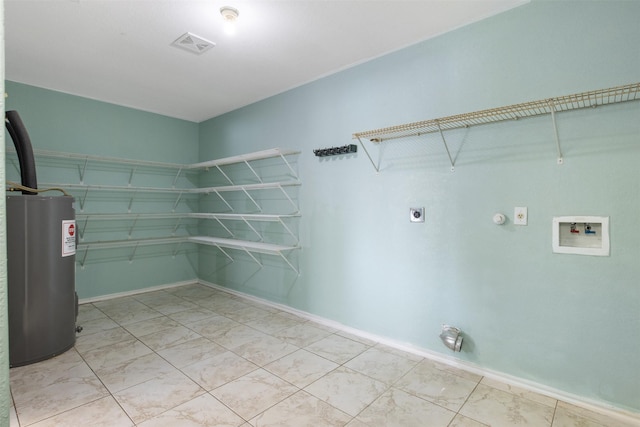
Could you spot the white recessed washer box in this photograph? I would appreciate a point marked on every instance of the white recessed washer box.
(581, 235)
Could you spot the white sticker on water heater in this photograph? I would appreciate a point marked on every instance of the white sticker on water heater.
(68, 237)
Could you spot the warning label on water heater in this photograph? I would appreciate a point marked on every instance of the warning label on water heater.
(68, 237)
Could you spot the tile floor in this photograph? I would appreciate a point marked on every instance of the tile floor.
(196, 356)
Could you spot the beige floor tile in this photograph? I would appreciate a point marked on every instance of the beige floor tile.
(157, 298)
(502, 409)
(56, 391)
(219, 370)
(103, 412)
(191, 352)
(25, 379)
(150, 326)
(134, 371)
(88, 342)
(209, 340)
(175, 307)
(264, 349)
(124, 317)
(347, 390)
(381, 365)
(536, 397)
(273, 323)
(568, 415)
(153, 397)
(301, 410)
(214, 327)
(192, 316)
(247, 314)
(337, 348)
(169, 337)
(97, 325)
(203, 411)
(115, 354)
(88, 312)
(193, 291)
(462, 421)
(238, 336)
(398, 408)
(437, 386)
(356, 423)
(301, 368)
(253, 393)
(302, 334)
(13, 417)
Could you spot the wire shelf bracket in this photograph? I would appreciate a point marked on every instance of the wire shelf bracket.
(551, 106)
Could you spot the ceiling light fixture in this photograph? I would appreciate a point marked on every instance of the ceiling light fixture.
(230, 16)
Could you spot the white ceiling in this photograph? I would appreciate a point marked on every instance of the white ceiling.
(119, 51)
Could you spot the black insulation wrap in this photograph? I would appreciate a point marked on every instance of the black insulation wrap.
(22, 143)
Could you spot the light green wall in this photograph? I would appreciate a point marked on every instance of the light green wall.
(65, 123)
(570, 322)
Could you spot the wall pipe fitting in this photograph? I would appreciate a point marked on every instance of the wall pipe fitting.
(451, 337)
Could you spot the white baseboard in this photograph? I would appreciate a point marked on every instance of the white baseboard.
(609, 411)
(137, 291)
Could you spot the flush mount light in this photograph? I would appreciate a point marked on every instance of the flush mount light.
(230, 16)
(229, 13)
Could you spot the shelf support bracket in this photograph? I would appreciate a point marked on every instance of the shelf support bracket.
(446, 147)
(254, 172)
(175, 228)
(82, 170)
(252, 199)
(253, 257)
(133, 253)
(83, 229)
(131, 201)
(288, 198)
(224, 174)
(175, 252)
(175, 205)
(253, 229)
(224, 200)
(83, 199)
(376, 167)
(288, 230)
(552, 107)
(135, 220)
(225, 253)
(224, 226)
(133, 170)
(289, 262)
(175, 180)
(84, 258)
(286, 162)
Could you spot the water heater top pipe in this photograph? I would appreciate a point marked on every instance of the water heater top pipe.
(22, 142)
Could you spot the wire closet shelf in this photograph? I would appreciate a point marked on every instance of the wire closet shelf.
(591, 99)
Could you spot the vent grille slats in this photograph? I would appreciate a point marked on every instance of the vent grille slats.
(192, 43)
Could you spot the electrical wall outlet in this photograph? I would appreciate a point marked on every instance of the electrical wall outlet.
(520, 216)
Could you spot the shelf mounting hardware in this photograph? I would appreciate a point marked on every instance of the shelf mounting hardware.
(82, 170)
(552, 107)
(446, 147)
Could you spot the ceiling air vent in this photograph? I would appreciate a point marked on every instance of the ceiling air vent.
(193, 43)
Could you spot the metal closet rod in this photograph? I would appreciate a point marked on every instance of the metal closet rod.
(614, 95)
